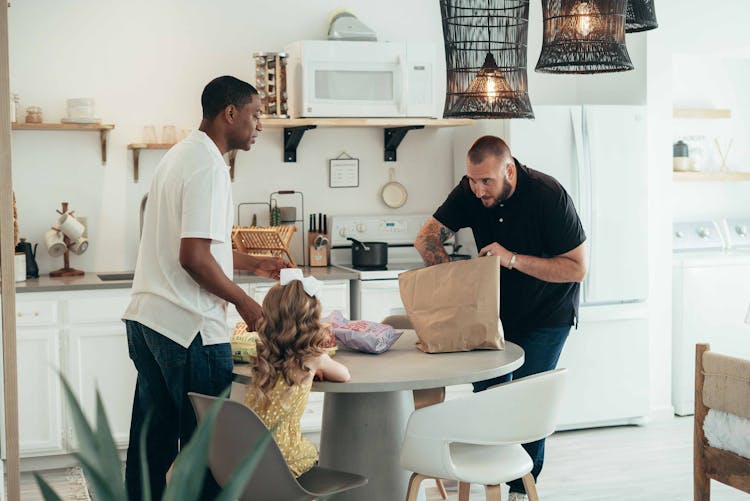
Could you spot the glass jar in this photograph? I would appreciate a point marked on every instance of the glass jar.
(17, 108)
(33, 115)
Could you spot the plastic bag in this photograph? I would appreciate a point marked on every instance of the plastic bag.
(362, 335)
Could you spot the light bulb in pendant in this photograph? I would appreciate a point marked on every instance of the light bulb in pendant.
(490, 83)
(491, 92)
(585, 14)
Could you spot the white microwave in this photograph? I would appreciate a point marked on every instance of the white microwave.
(334, 78)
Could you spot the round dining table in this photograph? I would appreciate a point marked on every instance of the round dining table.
(364, 420)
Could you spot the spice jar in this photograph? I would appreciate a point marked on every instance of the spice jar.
(33, 115)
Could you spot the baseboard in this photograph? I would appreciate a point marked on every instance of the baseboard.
(635, 420)
(662, 413)
(54, 462)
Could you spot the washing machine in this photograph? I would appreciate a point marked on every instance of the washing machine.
(710, 298)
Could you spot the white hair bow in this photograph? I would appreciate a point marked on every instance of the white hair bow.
(312, 285)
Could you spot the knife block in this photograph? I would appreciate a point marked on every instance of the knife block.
(320, 256)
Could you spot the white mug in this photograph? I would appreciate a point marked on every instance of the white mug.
(69, 225)
(19, 265)
(79, 246)
(55, 242)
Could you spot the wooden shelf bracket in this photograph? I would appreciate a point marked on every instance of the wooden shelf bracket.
(392, 139)
(103, 134)
(292, 137)
(136, 158)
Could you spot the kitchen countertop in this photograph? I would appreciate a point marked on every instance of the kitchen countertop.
(90, 281)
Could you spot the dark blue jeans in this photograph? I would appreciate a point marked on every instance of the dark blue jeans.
(166, 373)
(542, 348)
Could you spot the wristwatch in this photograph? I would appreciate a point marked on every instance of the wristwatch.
(512, 261)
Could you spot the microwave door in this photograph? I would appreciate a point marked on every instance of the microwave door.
(354, 90)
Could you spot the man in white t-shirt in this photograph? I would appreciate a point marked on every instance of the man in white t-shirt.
(178, 336)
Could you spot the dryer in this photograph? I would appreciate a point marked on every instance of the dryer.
(710, 296)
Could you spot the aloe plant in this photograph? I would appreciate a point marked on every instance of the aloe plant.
(103, 469)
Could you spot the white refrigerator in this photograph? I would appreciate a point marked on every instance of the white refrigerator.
(598, 153)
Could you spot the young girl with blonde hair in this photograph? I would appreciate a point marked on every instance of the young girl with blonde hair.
(290, 352)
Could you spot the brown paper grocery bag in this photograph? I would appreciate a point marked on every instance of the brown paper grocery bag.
(455, 306)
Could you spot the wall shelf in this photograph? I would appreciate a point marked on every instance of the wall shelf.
(137, 147)
(711, 176)
(701, 113)
(394, 130)
(102, 128)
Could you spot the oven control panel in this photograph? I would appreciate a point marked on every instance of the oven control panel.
(393, 230)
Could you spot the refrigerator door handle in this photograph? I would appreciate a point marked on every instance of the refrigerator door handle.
(575, 120)
(583, 178)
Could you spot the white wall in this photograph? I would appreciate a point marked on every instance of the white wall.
(146, 62)
(716, 80)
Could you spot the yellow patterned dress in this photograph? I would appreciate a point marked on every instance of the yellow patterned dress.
(285, 410)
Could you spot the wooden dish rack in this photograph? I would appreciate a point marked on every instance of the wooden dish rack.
(264, 240)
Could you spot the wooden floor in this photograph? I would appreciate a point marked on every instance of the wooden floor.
(68, 483)
(633, 463)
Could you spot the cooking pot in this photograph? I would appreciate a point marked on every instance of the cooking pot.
(369, 254)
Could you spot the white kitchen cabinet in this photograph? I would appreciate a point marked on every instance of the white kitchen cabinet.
(40, 424)
(98, 357)
(259, 291)
(80, 333)
(334, 296)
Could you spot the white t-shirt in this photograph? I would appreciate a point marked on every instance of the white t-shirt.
(190, 197)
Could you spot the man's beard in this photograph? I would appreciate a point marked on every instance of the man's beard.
(503, 195)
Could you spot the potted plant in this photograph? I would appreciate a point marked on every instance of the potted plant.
(103, 468)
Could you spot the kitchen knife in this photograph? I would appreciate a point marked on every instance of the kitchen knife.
(312, 223)
(325, 224)
(320, 222)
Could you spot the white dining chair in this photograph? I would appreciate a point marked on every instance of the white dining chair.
(426, 396)
(477, 439)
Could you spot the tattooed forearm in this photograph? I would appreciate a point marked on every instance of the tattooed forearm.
(428, 243)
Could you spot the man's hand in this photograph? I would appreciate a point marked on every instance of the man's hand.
(495, 249)
(271, 267)
(250, 311)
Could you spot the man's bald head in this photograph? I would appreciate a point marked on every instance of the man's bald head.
(489, 146)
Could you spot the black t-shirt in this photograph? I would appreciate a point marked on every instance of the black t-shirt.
(540, 220)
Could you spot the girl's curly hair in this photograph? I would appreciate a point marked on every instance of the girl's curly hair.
(290, 333)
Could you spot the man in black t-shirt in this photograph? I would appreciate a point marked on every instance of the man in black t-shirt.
(527, 219)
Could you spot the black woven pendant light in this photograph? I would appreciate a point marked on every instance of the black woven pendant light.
(640, 16)
(485, 58)
(584, 36)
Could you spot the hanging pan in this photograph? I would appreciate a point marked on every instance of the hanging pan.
(393, 193)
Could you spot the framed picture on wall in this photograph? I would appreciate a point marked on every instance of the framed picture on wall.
(343, 172)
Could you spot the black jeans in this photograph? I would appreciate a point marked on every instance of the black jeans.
(166, 373)
(542, 348)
